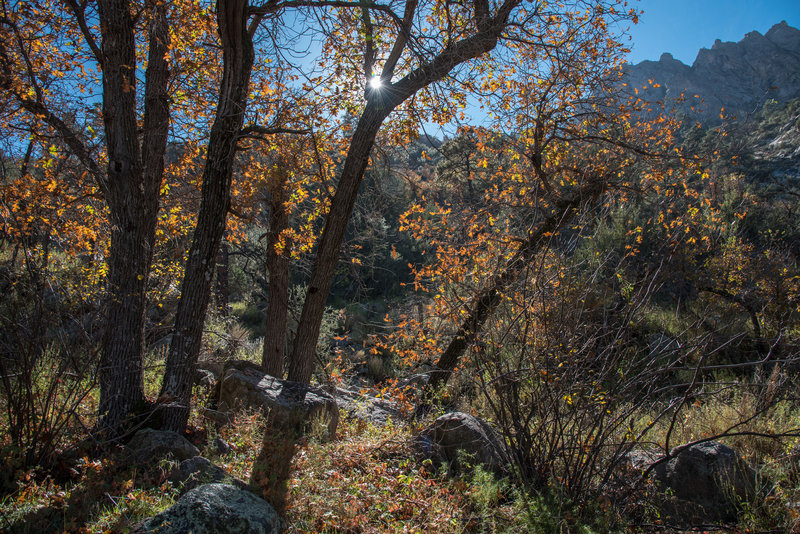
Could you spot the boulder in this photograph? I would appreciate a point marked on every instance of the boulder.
(370, 409)
(639, 459)
(709, 475)
(215, 509)
(149, 444)
(221, 446)
(245, 385)
(211, 366)
(205, 378)
(456, 436)
(199, 470)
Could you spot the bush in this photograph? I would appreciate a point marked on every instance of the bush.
(47, 374)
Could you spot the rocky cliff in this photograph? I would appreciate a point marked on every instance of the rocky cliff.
(738, 77)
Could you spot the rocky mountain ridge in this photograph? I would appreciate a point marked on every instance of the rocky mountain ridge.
(737, 77)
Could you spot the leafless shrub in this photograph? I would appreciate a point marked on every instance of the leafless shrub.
(576, 379)
(47, 374)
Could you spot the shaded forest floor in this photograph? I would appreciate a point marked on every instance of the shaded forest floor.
(371, 479)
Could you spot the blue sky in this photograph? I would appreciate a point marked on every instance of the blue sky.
(682, 27)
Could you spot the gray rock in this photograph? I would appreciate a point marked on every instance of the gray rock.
(205, 378)
(149, 444)
(221, 446)
(455, 435)
(245, 385)
(215, 509)
(639, 460)
(370, 409)
(212, 366)
(710, 475)
(199, 470)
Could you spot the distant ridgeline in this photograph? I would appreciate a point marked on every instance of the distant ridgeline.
(739, 77)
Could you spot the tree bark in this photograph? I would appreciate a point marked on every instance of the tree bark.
(301, 363)
(131, 185)
(278, 272)
(222, 290)
(215, 201)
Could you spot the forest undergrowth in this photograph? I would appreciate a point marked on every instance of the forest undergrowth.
(372, 479)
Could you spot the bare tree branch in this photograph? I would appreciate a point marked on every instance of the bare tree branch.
(80, 16)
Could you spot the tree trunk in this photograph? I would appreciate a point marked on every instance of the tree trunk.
(485, 303)
(222, 291)
(132, 182)
(278, 272)
(301, 363)
(238, 58)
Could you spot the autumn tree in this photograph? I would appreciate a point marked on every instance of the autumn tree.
(569, 146)
(400, 58)
(238, 56)
(237, 23)
(42, 47)
(291, 173)
(135, 129)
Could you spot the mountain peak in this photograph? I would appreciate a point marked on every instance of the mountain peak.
(784, 36)
(738, 76)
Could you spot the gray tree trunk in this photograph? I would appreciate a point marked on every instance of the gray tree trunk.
(278, 273)
(131, 187)
(238, 55)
